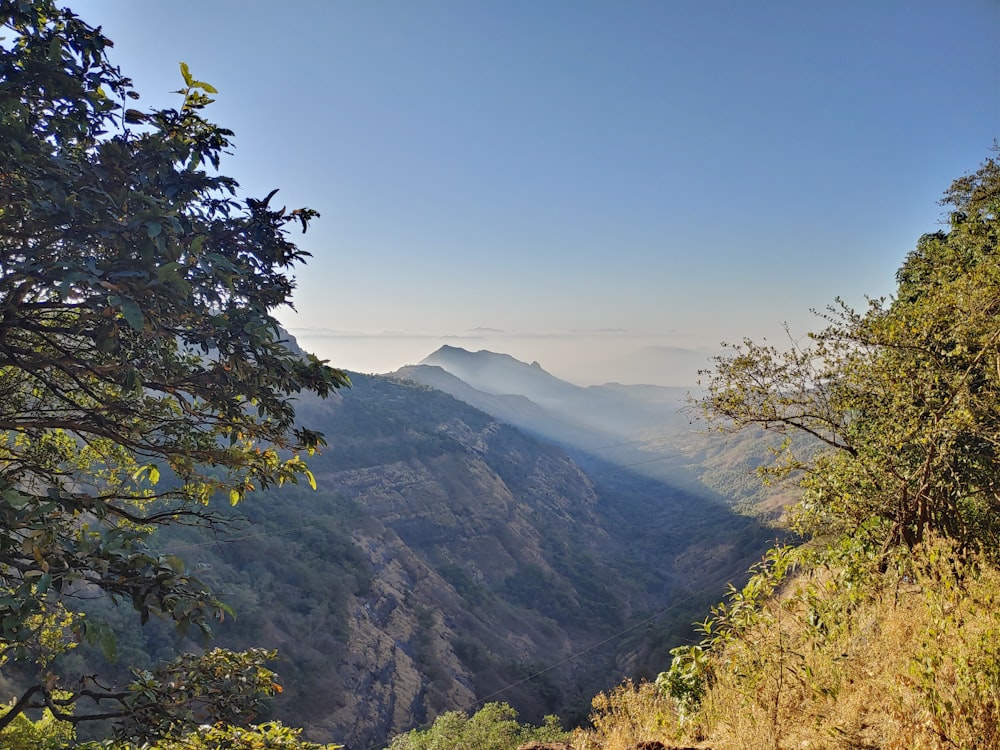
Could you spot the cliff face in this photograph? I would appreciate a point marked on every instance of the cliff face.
(454, 540)
(448, 558)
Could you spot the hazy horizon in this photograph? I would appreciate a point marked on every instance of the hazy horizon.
(582, 358)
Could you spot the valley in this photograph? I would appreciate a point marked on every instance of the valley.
(534, 547)
(448, 558)
(647, 430)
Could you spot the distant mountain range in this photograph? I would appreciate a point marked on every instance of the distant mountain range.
(649, 429)
(529, 397)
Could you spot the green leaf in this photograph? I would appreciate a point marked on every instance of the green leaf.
(133, 315)
(106, 338)
(167, 270)
(132, 380)
(15, 499)
(186, 72)
(108, 644)
(207, 87)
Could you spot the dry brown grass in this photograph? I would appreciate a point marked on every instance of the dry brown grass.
(631, 713)
(909, 659)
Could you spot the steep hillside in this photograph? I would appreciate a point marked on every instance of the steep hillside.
(841, 654)
(447, 558)
(651, 430)
(611, 409)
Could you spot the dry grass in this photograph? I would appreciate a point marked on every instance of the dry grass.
(628, 714)
(909, 659)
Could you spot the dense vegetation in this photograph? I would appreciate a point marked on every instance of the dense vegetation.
(493, 727)
(141, 370)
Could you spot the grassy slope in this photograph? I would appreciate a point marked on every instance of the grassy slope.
(840, 656)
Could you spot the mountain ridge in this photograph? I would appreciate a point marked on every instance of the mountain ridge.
(649, 429)
(609, 410)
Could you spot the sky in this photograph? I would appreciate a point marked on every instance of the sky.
(610, 188)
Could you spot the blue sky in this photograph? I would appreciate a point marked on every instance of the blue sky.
(589, 184)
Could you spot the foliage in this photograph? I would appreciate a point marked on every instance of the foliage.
(141, 370)
(903, 396)
(688, 678)
(216, 687)
(691, 671)
(906, 658)
(45, 733)
(904, 661)
(269, 736)
(493, 727)
(630, 714)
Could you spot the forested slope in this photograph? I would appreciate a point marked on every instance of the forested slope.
(445, 557)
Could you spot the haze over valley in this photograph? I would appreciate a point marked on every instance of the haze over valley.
(575, 184)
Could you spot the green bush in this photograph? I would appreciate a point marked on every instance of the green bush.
(269, 736)
(47, 733)
(493, 727)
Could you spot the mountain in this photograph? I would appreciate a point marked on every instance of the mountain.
(645, 428)
(581, 417)
(499, 373)
(515, 409)
(447, 558)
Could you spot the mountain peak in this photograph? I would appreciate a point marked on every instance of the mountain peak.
(496, 373)
(483, 358)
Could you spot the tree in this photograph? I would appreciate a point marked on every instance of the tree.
(492, 727)
(904, 398)
(142, 373)
(47, 733)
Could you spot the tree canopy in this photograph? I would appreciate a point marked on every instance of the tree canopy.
(903, 397)
(142, 372)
